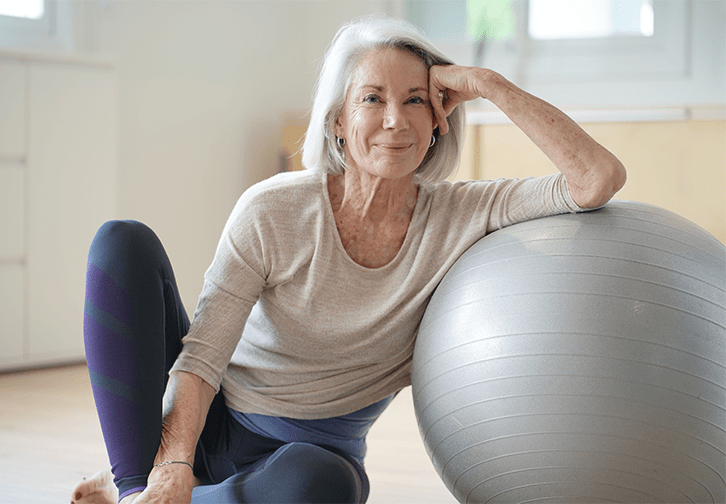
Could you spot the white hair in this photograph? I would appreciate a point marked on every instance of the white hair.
(351, 43)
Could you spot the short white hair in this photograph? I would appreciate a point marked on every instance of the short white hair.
(353, 41)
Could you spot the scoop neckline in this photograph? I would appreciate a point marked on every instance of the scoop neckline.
(330, 216)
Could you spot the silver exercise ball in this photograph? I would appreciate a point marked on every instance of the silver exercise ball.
(578, 359)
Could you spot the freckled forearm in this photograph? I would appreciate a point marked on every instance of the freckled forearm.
(593, 173)
(186, 403)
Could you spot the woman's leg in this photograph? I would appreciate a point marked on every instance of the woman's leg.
(243, 467)
(133, 326)
(295, 473)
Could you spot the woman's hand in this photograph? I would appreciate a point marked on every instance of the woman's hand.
(169, 484)
(452, 85)
(186, 403)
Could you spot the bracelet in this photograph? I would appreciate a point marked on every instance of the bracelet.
(168, 462)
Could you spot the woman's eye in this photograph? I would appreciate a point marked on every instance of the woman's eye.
(371, 98)
(418, 100)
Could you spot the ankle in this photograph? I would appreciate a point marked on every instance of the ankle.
(129, 498)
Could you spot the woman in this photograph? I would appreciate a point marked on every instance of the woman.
(310, 308)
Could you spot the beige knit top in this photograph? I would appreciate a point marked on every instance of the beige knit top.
(289, 325)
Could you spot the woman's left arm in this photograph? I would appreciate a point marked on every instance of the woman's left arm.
(592, 172)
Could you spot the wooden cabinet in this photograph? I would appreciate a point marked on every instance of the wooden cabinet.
(57, 185)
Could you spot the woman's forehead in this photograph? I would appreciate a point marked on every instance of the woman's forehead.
(385, 68)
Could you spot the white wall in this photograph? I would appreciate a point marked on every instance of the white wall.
(202, 89)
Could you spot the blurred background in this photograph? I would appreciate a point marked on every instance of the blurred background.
(165, 111)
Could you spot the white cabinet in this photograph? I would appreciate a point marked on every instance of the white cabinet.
(57, 186)
(12, 212)
(12, 110)
(11, 312)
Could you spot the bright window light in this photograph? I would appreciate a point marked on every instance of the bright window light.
(30, 9)
(571, 19)
(647, 19)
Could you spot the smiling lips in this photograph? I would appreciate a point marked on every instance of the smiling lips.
(394, 146)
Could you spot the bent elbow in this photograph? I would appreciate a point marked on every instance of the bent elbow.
(616, 180)
(621, 177)
(602, 190)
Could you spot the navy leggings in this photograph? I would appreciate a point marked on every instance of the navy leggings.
(133, 326)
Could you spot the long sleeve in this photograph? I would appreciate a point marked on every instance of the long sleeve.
(232, 286)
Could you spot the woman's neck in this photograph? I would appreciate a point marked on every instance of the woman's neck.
(367, 198)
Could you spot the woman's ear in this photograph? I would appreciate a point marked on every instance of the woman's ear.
(435, 122)
(338, 127)
(439, 121)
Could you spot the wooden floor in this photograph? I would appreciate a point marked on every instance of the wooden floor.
(50, 439)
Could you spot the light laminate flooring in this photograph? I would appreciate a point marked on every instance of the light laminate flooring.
(50, 439)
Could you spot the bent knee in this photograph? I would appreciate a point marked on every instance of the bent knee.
(124, 231)
(314, 474)
(123, 238)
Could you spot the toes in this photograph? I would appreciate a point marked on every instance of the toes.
(98, 488)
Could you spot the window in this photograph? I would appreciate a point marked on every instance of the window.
(36, 24)
(571, 19)
(29, 9)
(546, 19)
(585, 53)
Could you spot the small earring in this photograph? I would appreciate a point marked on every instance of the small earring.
(341, 142)
(433, 141)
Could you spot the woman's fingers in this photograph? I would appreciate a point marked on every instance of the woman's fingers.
(437, 102)
(450, 86)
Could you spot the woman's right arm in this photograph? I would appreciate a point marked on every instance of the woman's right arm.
(593, 173)
(186, 403)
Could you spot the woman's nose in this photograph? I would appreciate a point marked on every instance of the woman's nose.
(395, 118)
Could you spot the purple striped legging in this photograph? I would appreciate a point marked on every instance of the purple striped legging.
(133, 328)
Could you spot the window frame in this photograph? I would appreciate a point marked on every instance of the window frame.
(608, 71)
(663, 53)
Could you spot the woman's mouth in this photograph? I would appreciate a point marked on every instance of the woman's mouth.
(394, 147)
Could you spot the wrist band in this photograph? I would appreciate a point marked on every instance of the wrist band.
(168, 462)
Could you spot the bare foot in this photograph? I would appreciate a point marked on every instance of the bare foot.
(98, 489)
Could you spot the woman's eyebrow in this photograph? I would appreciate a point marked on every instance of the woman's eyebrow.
(381, 88)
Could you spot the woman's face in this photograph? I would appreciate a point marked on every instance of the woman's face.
(387, 120)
